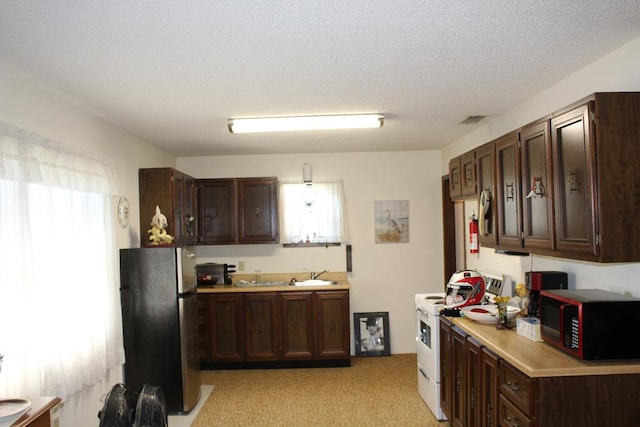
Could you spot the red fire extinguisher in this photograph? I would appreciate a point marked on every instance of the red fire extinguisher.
(473, 234)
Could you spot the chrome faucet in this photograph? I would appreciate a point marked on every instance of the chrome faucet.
(314, 276)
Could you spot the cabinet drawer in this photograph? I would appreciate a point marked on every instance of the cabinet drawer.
(511, 416)
(517, 387)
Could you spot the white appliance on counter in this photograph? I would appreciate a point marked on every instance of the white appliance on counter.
(428, 308)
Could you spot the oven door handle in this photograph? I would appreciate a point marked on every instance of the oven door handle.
(422, 311)
(424, 374)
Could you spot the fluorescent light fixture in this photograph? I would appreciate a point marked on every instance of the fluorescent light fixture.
(283, 124)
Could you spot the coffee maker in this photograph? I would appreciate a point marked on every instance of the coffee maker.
(537, 281)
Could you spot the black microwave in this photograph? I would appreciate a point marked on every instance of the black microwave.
(211, 273)
(590, 324)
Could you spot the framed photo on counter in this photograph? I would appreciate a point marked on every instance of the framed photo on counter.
(372, 334)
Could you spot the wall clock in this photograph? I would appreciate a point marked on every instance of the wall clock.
(123, 212)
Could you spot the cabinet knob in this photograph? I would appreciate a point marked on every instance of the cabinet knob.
(257, 210)
(514, 386)
(513, 422)
(510, 192)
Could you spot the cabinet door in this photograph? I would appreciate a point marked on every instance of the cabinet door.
(156, 188)
(262, 326)
(226, 323)
(333, 324)
(297, 326)
(183, 207)
(258, 210)
(468, 171)
(458, 407)
(172, 191)
(217, 216)
(204, 329)
(455, 178)
(537, 186)
(508, 177)
(486, 181)
(473, 360)
(518, 388)
(446, 372)
(177, 215)
(489, 392)
(190, 209)
(574, 168)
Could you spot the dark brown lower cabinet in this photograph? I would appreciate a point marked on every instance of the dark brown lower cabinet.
(274, 328)
(446, 371)
(458, 403)
(479, 387)
(469, 378)
(219, 329)
(262, 326)
(297, 326)
(332, 324)
(473, 360)
(489, 388)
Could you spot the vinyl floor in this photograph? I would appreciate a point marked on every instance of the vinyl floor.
(374, 391)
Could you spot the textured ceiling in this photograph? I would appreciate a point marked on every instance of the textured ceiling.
(172, 72)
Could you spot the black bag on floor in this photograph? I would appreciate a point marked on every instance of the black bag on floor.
(151, 410)
(119, 408)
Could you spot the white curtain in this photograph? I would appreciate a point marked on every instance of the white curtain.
(314, 213)
(60, 323)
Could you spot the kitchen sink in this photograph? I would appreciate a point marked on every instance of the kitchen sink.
(245, 284)
(316, 282)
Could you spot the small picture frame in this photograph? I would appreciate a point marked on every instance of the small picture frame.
(372, 334)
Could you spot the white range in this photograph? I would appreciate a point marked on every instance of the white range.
(428, 308)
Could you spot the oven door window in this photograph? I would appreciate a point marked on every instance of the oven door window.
(425, 333)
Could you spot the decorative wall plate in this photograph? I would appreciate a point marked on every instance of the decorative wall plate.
(123, 212)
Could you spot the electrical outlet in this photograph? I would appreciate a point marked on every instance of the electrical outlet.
(628, 293)
(240, 265)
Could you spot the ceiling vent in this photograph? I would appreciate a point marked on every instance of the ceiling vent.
(472, 120)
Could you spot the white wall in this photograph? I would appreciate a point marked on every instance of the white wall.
(385, 276)
(31, 106)
(617, 71)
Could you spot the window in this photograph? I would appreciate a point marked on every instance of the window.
(60, 327)
(313, 213)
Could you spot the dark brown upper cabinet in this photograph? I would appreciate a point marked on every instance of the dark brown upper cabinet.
(258, 210)
(217, 219)
(574, 168)
(238, 210)
(175, 194)
(508, 191)
(537, 186)
(455, 178)
(581, 168)
(468, 170)
(462, 176)
(486, 182)
(616, 125)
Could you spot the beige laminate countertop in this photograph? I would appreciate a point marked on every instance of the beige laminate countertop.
(335, 276)
(220, 289)
(538, 359)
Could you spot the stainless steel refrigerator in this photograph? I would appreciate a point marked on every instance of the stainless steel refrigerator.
(158, 294)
